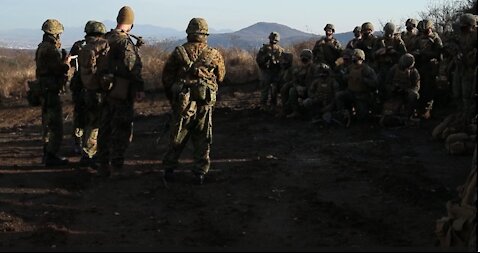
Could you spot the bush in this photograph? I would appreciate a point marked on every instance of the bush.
(16, 67)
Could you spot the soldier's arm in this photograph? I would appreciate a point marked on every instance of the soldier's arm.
(219, 66)
(54, 62)
(415, 80)
(133, 65)
(169, 73)
(369, 77)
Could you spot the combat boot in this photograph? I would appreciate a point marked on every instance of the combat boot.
(55, 160)
(199, 177)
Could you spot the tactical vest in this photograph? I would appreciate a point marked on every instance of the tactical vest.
(355, 82)
(403, 79)
(323, 90)
(93, 62)
(198, 75)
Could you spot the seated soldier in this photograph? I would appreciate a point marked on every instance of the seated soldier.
(303, 76)
(402, 85)
(361, 83)
(321, 94)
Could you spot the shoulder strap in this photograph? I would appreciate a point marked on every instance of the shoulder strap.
(183, 53)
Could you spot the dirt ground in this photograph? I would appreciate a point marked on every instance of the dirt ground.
(275, 184)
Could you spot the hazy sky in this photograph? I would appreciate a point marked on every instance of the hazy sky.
(305, 15)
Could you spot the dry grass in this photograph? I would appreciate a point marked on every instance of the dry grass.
(16, 67)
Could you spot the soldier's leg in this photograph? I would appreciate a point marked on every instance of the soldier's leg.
(104, 134)
(411, 98)
(54, 119)
(467, 89)
(202, 138)
(265, 88)
(92, 119)
(292, 102)
(179, 135)
(121, 132)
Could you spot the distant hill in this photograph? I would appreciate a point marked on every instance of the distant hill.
(247, 38)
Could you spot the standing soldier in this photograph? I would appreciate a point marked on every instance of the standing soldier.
(328, 49)
(428, 52)
(387, 52)
(409, 35)
(191, 76)
(93, 65)
(268, 60)
(367, 43)
(357, 33)
(124, 84)
(466, 60)
(51, 72)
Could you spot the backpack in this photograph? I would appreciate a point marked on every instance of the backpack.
(197, 77)
(93, 62)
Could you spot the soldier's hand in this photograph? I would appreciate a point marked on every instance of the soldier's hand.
(139, 96)
(68, 59)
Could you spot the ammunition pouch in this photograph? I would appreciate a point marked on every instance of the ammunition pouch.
(34, 93)
(203, 93)
(120, 88)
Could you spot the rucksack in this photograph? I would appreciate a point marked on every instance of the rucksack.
(93, 62)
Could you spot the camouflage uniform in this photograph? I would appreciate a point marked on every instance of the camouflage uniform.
(190, 77)
(90, 77)
(116, 121)
(403, 82)
(328, 49)
(321, 93)
(409, 36)
(428, 53)
(268, 60)
(367, 42)
(51, 72)
(357, 32)
(387, 52)
(361, 82)
(465, 62)
(303, 76)
(286, 79)
(76, 88)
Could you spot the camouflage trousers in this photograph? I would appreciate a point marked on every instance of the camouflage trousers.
(269, 87)
(294, 93)
(463, 87)
(361, 101)
(428, 89)
(198, 127)
(52, 122)
(115, 132)
(92, 117)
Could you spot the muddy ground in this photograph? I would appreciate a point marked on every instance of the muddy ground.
(275, 184)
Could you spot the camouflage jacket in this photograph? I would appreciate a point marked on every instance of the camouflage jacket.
(352, 44)
(207, 64)
(49, 62)
(466, 47)
(327, 51)
(124, 59)
(409, 40)
(361, 78)
(268, 57)
(303, 75)
(402, 80)
(367, 44)
(323, 90)
(388, 50)
(427, 48)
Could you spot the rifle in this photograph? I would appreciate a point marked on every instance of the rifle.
(140, 41)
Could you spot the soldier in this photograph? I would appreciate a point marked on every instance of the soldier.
(286, 80)
(124, 84)
(387, 52)
(428, 52)
(357, 33)
(403, 84)
(321, 93)
(268, 60)
(328, 49)
(465, 61)
(303, 76)
(361, 82)
(191, 76)
(367, 42)
(409, 35)
(51, 72)
(93, 65)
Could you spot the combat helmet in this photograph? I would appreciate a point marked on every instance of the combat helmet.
(367, 26)
(411, 22)
(95, 27)
(468, 19)
(274, 37)
(52, 26)
(197, 26)
(389, 28)
(329, 26)
(357, 29)
(425, 25)
(359, 54)
(306, 54)
(406, 61)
